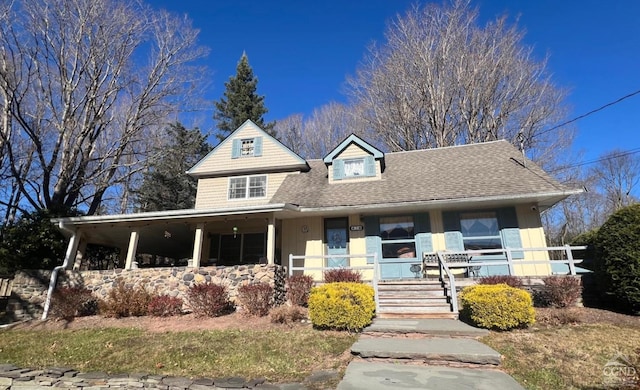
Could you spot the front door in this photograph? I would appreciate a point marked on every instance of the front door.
(336, 233)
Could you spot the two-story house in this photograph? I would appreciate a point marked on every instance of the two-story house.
(258, 201)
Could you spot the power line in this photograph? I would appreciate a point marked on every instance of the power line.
(591, 112)
(611, 157)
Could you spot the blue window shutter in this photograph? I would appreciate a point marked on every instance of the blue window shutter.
(373, 244)
(257, 146)
(338, 169)
(422, 223)
(510, 231)
(369, 166)
(424, 243)
(507, 217)
(451, 221)
(371, 226)
(452, 235)
(236, 148)
(511, 239)
(453, 241)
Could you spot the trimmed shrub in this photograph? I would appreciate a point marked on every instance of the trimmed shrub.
(497, 306)
(284, 314)
(298, 289)
(256, 298)
(617, 259)
(560, 291)
(338, 275)
(509, 280)
(70, 302)
(343, 306)
(209, 300)
(165, 306)
(126, 301)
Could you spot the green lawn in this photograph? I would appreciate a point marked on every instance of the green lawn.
(564, 356)
(279, 356)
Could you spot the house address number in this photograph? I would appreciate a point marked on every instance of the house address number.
(355, 228)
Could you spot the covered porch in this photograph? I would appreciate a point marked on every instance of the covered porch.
(193, 238)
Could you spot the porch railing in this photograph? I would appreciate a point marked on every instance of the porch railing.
(374, 266)
(473, 260)
(452, 292)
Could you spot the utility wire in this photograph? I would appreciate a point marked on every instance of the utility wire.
(617, 155)
(591, 112)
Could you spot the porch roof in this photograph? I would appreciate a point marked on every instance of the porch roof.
(459, 176)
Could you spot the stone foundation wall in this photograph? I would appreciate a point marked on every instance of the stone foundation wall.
(30, 287)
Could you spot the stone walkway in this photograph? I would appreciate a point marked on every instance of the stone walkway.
(12, 377)
(424, 354)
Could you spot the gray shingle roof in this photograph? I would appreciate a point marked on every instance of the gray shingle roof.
(486, 170)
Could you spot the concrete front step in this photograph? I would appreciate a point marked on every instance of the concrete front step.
(435, 349)
(426, 327)
(384, 376)
(392, 315)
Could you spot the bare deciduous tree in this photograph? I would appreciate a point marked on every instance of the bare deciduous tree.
(84, 86)
(617, 175)
(441, 80)
(315, 136)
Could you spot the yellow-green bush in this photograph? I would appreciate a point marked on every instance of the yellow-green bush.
(497, 306)
(344, 305)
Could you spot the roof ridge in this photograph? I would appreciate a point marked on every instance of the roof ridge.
(451, 146)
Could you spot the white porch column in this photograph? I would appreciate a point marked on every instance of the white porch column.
(271, 240)
(198, 245)
(82, 248)
(133, 247)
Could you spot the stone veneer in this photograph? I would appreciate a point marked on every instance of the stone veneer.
(30, 287)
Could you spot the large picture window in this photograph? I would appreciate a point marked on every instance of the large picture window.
(398, 237)
(248, 187)
(480, 230)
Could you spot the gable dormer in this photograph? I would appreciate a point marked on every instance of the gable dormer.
(249, 149)
(354, 160)
(245, 169)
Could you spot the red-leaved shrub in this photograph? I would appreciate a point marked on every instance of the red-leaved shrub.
(561, 291)
(126, 301)
(70, 302)
(256, 298)
(509, 280)
(208, 299)
(165, 306)
(298, 288)
(338, 275)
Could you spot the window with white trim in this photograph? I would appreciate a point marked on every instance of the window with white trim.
(248, 187)
(247, 147)
(354, 167)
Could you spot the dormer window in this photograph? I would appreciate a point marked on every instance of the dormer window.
(354, 167)
(246, 147)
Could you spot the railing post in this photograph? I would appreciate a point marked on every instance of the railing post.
(375, 281)
(290, 264)
(512, 271)
(572, 266)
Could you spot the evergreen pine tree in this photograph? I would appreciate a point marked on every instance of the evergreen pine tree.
(241, 102)
(165, 185)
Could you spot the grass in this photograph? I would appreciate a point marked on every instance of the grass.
(563, 357)
(278, 356)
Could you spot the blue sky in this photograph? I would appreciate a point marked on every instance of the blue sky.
(302, 52)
